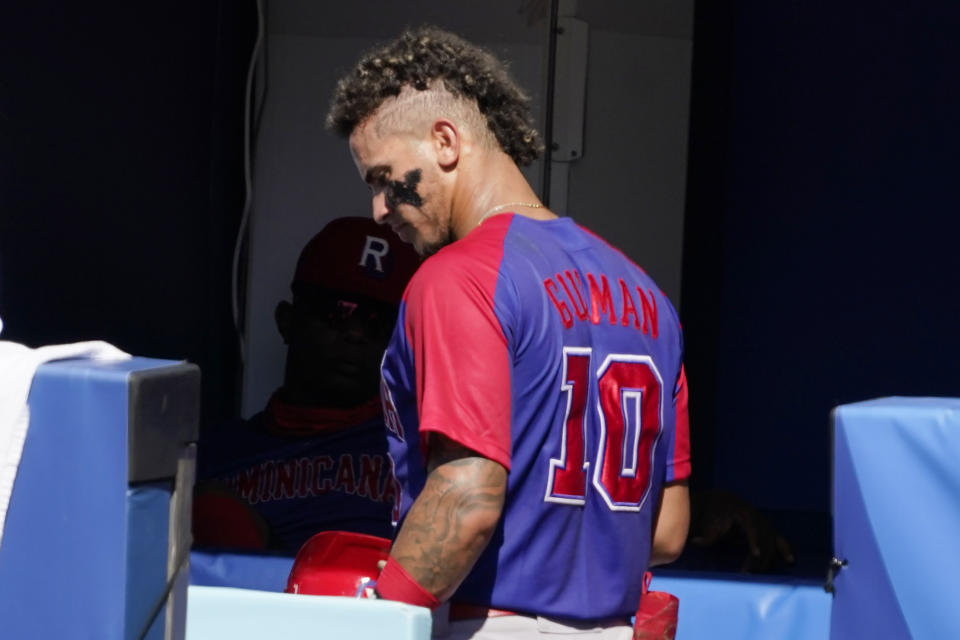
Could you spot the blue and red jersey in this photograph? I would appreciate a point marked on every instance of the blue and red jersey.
(303, 471)
(539, 346)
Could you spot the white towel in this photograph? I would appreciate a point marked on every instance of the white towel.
(17, 366)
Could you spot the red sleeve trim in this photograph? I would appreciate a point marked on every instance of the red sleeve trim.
(485, 449)
(680, 462)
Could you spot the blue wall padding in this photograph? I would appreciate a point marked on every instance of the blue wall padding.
(712, 607)
(62, 564)
(863, 587)
(896, 515)
(148, 526)
(731, 607)
(244, 571)
(63, 561)
(214, 613)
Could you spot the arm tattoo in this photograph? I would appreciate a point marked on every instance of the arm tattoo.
(453, 518)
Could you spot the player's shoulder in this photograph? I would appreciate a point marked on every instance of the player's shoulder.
(471, 261)
(438, 272)
(601, 244)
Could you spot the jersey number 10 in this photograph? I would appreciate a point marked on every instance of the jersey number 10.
(626, 428)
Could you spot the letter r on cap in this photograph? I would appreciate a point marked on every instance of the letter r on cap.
(375, 248)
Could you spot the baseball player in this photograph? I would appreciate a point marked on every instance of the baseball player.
(316, 458)
(533, 387)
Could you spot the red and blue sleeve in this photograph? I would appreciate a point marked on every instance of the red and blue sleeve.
(461, 356)
(678, 457)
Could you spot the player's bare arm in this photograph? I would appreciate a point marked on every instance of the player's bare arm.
(452, 520)
(671, 524)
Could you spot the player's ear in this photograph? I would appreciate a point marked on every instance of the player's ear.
(283, 316)
(445, 137)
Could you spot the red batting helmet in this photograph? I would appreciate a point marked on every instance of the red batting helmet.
(337, 563)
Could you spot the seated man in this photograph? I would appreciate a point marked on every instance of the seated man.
(315, 459)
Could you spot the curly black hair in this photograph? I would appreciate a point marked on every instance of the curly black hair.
(418, 58)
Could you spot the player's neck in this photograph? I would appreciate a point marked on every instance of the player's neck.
(491, 186)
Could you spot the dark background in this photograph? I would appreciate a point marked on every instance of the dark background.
(820, 259)
(121, 177)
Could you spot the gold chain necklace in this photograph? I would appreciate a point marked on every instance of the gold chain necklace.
(500, 207)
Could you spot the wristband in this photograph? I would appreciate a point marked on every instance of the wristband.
(395, 583)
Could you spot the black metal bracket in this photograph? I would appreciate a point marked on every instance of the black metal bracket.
(836, 564)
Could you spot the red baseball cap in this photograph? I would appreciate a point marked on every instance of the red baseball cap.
(356, 255)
